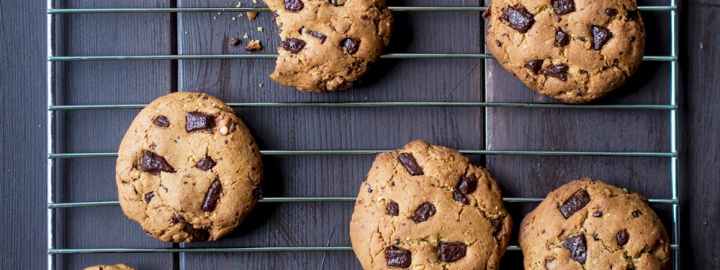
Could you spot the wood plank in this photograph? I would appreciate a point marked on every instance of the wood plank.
(700, 188)
(22, 137)
(583, 130)
(111, 82)
(335, 128)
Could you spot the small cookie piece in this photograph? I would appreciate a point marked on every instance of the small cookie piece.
(187, 168)
(425, 206)
(327, 44)
(588, 224)
(575, 51)
(109, 267)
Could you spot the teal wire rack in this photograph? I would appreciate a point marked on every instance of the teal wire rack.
(52, 109)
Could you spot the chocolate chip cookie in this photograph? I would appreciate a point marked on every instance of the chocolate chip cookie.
(425, 206)
(328, 44)
(589, 224)
(572, 50)
(110, 267)
(187, 168)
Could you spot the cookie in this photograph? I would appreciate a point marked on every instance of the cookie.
(425, 206)
(589, 224)
(187, 168)
(327, 44)
(110, 267)
(572, 50)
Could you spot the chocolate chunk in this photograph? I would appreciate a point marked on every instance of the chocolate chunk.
(161, 121)
(294, 5)
(573, 204)
(397, 257)
(392, 209)
(459, 197)
(600, 35)
(293, 45)
(557, 71)
(176, 218)
(518, 18)
(622, 237)
(611, 12)
(467, 184)
(562, 38)
(534, 65)
(212, 196)
(149, 196)
(195, 121)
(350, 45)
(154, 164)
(597, 213)
(322, 37)
(408, 161)
(577, 247)
(337, 3)
(636, 213)
(197, 234)
(633, 15)
(562, 7)
(424, 212)
(205, 164)
(451, 251)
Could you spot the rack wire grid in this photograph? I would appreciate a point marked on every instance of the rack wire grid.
(52, 109)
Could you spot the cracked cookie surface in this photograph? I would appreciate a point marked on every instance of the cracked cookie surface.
(426, 207)
(588, 224)
(328, 44)
(572, 50)
(187, 169)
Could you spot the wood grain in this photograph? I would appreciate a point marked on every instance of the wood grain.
(111, 82)
(701, 88)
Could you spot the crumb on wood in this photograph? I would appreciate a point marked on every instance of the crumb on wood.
(234, 41)
(260, 29)
(251, 15)
(253, 46)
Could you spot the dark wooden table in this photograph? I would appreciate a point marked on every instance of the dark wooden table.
(22, 81)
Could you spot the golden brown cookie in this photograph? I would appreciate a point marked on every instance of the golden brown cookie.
(572, 50)
(110, 267)
(328, 44)
(426, 207)
(589, 224)
(187, 168)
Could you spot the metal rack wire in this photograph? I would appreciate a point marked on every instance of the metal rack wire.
(52, 109)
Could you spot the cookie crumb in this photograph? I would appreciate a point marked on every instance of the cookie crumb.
(253, 46)
(234, 41)
(251, 15)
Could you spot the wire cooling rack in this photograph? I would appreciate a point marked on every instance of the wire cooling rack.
(52, 109)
